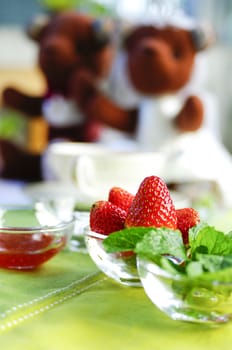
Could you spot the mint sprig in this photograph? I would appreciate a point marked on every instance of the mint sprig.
(209, 250)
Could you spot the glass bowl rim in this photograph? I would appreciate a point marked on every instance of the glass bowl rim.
(88, 232)
(53, 229)
(155, 269)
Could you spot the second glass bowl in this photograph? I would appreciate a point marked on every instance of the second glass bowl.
(206, 300)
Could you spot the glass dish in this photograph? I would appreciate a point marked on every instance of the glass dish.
(196, 299)
(119, 266)
(77, 242)
(31, 235)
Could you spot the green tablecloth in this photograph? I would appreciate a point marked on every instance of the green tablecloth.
(69, 304)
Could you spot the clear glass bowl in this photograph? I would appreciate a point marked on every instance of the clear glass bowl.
(31, 235)
(198, 300)
(77, 242)
(119, 266)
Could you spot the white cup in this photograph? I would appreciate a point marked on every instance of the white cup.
(95, 174)
(59, 159)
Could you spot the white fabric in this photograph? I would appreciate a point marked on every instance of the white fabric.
(119, 87)
(59, 111)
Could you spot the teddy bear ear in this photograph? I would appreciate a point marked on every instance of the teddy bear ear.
(36, 26)
(103, 30)
(203, 36)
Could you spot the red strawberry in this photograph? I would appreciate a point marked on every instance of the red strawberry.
(106, 217)
(152, 205)
(186, 218)
(120, 197)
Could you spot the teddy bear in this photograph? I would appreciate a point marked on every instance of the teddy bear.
(157, 96)
(153, 88)
(69, 42)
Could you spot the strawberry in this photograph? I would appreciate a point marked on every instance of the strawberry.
(152, 205)
(120, 197)
(186, 218)
(106, 217)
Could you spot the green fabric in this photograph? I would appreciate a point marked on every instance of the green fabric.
(69, 304)
(27, 292)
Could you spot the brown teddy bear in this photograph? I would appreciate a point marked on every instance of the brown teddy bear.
(152, 85)
(69, 43)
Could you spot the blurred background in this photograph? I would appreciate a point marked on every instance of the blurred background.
(18, 55)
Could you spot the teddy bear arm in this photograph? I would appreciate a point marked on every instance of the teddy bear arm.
(14, 98)
(17, 163)
(191, 116)
(103, 110)
(98, 107)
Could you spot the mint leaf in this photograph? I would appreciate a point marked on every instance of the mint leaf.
(194, 268)
(213, 263)
(162, 241)
(193, 232)
(207, 240)
(147, 241)
(224, 276)
(125, 239)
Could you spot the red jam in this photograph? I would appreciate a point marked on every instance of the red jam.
(28, 251)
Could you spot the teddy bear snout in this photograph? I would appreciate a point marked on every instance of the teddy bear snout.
(54, 48)
(152, 47)
(148, 50)
(50, 50)
(57, 53)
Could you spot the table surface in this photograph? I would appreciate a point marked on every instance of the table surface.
(69, 304)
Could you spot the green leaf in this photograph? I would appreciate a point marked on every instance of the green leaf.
(208, 240)
(125, 239)
(213, 263)
(223, 276)
(194, 268)
(162, 241)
